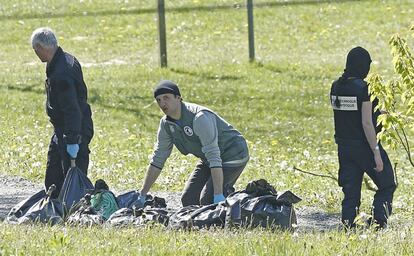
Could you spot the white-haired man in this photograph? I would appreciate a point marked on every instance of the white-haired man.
(66, 106)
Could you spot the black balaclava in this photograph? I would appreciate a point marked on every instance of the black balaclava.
(166, 86)
(358, 64)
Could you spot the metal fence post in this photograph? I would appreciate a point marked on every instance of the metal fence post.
(161, 32)
(251, 29)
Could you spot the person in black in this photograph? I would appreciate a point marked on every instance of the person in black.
(355, 134)
(67, 108)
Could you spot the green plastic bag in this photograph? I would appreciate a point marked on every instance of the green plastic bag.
(104, 203)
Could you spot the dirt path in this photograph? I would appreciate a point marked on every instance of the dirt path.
(15, 189)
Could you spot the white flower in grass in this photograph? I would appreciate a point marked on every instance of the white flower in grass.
(306, 153)
(363, 237)
(36, 164)
(283, 165)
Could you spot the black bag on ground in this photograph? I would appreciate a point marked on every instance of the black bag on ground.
(213, 215)
(260, 188)
(262, 211)
(130, 200)
(46, 210)
(75, 186)
(123, 217)
(94, 208)
(21, 208)
(83, 214)
(85, 217)
(196, 216)
(181, 219)
(139, 217)
(155, 215)
(259, 205)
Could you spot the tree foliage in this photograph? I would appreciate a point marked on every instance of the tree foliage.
(396, 97)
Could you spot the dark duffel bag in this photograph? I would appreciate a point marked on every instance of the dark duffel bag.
(260, 205)
(197, 216)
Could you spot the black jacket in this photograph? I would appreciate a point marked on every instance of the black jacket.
(66, 103)
(347, 95)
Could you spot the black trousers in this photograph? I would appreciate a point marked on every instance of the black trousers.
(58, 162)
(199, 187)
(354, 160)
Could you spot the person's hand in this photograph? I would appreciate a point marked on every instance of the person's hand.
(379, 165)
(219, 198)
(72, 150)
(140, 202)
(141, 198)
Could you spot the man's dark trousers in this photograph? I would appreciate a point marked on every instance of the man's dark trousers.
(354, 160)
(199, 187)
(58, 162)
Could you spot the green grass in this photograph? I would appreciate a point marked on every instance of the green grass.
(280, 104)
(155, 240)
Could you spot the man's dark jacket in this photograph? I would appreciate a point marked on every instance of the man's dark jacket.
(66, 103)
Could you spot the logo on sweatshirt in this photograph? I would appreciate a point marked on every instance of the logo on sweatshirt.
(188, 130)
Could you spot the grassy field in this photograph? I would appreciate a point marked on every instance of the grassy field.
(279, 103)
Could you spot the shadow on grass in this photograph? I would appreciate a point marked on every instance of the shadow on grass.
(34, 88)
(121, 105)
(270, 67)
(138, 112)
(171, 9)
(313, 219)
(94, 99)
(205, 75)
(314, 73)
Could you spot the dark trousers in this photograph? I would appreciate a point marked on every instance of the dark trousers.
(199, 188)
(58, 162)
(353, 162)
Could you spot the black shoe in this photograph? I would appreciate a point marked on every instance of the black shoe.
(377, 224)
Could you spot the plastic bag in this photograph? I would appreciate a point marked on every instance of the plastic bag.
(21, 208)
(46, 210)
(260, 205)
(130, 200)
(75, 186)
(104, 203)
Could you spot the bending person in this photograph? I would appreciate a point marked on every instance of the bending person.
(196, 130)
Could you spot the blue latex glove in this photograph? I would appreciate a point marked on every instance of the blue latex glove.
(141, 198)
(219, 198)
(141, 201)
(72, 150)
